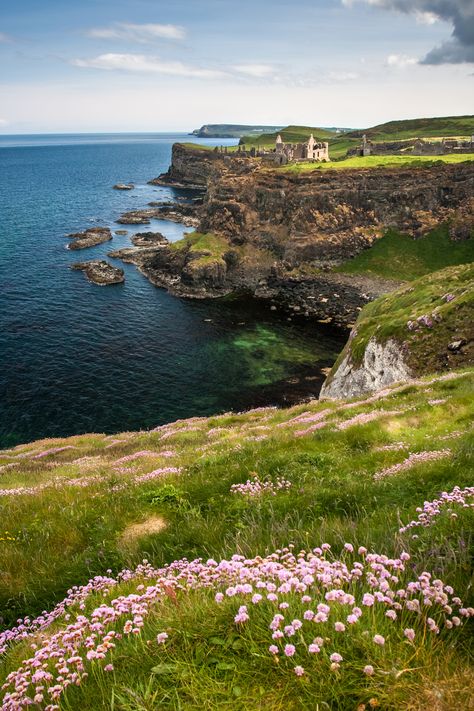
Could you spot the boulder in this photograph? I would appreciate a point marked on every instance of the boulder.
(101, 272)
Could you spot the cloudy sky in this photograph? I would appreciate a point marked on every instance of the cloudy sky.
(149, 65)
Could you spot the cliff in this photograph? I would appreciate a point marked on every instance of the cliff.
(420, 328)
(195, 167)
(280, 235)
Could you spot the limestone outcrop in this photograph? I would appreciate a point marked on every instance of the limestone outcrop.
(383, 364)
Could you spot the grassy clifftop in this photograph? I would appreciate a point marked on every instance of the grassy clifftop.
(374, 616)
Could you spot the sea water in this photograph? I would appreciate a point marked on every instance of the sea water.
(76, 357)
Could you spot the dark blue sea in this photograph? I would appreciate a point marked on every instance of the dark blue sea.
(76, 357)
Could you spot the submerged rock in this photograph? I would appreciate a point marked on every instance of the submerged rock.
(101, 272)
(89, 238)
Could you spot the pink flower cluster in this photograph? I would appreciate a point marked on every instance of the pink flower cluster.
(308, 593)
(365, 417)
(257, 487)
(156, 474)
(411, 460)
(136, 455)
(54, 450)
(457, 498)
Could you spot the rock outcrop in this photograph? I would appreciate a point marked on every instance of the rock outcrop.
(124, 186)
(383, 364)
(194, 167)
(329, 216)
(89, 238)
(149, 239)
(185, 214)
(101, 272)
(423, 327)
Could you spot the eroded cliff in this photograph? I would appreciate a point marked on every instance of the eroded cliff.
(279, 235)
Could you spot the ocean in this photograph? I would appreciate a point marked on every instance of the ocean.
(76, 357)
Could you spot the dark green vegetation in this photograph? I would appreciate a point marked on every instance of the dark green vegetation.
(401, 256)
(62, 534)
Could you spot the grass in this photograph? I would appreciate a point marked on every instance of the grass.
(63, 534)
(379, 162)
(408, 258)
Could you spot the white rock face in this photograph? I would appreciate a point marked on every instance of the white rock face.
(382, 365)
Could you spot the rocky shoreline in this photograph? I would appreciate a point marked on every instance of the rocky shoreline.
(279, 236)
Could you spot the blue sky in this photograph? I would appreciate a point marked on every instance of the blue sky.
(148, 65)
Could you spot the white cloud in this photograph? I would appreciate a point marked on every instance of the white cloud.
(254, 70)
(146, 64)
(138, 33)
(426, 18)
(401, 61)
(3, 122)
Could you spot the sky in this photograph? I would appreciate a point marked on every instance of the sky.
(149, 65)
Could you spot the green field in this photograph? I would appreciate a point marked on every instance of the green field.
(106, 502)
(378, 162)
(406, 258)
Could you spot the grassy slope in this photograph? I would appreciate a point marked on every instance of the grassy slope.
(62, 534)
(424, 127)
(408, 258)
(387, 318)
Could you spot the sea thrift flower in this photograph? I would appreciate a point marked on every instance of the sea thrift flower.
(161, 637)
(335, 657)
(299, 671)
(409, 634)
(416, 458)
(369, 670)
(289, 650)
(273, 649)
(378, 639)
(242, 615)
(339, 627)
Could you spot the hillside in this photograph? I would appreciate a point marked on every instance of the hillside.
(444, 126)
(391, 131)
(372, 612)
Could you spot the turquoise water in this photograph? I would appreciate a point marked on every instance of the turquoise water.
(76, 357)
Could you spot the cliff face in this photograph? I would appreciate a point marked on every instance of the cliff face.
(277, 235)
(192, 167)
(330, 216)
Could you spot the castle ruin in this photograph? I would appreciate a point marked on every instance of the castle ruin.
(310, 150)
